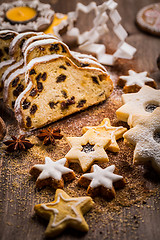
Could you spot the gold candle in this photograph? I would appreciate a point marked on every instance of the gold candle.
(21, 14)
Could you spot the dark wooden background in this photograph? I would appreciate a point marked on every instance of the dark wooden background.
(16, 221)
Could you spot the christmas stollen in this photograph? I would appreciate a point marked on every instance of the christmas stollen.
(54, 92)
(14, 84)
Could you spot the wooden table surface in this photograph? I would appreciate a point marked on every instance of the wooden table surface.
(17, 220)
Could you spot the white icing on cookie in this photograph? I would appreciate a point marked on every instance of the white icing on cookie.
(52, 169)
(102, 177)
(67, 217)
(136, 78)
(64, 212)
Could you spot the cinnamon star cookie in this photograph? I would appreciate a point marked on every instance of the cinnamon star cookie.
(63, 212)
(134, 81)
(52, 173)
(102, 181)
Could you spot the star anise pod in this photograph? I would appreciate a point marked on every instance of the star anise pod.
(18, 143)
(49, 135)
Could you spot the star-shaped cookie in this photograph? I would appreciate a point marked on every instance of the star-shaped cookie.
(63, 212)
(134, 81)
(143, 102)
(87, 149)
(101, 181)
(106, 130)
(145, 136)
(52, 173)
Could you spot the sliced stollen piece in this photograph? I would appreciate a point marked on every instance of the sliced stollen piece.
(6, 36)
(8, 71)
(31, 48)
(3, 66)
(36, 38)
(54, 92)
(13, 86)
(54, 46)
(11, 68)
(15, 49)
